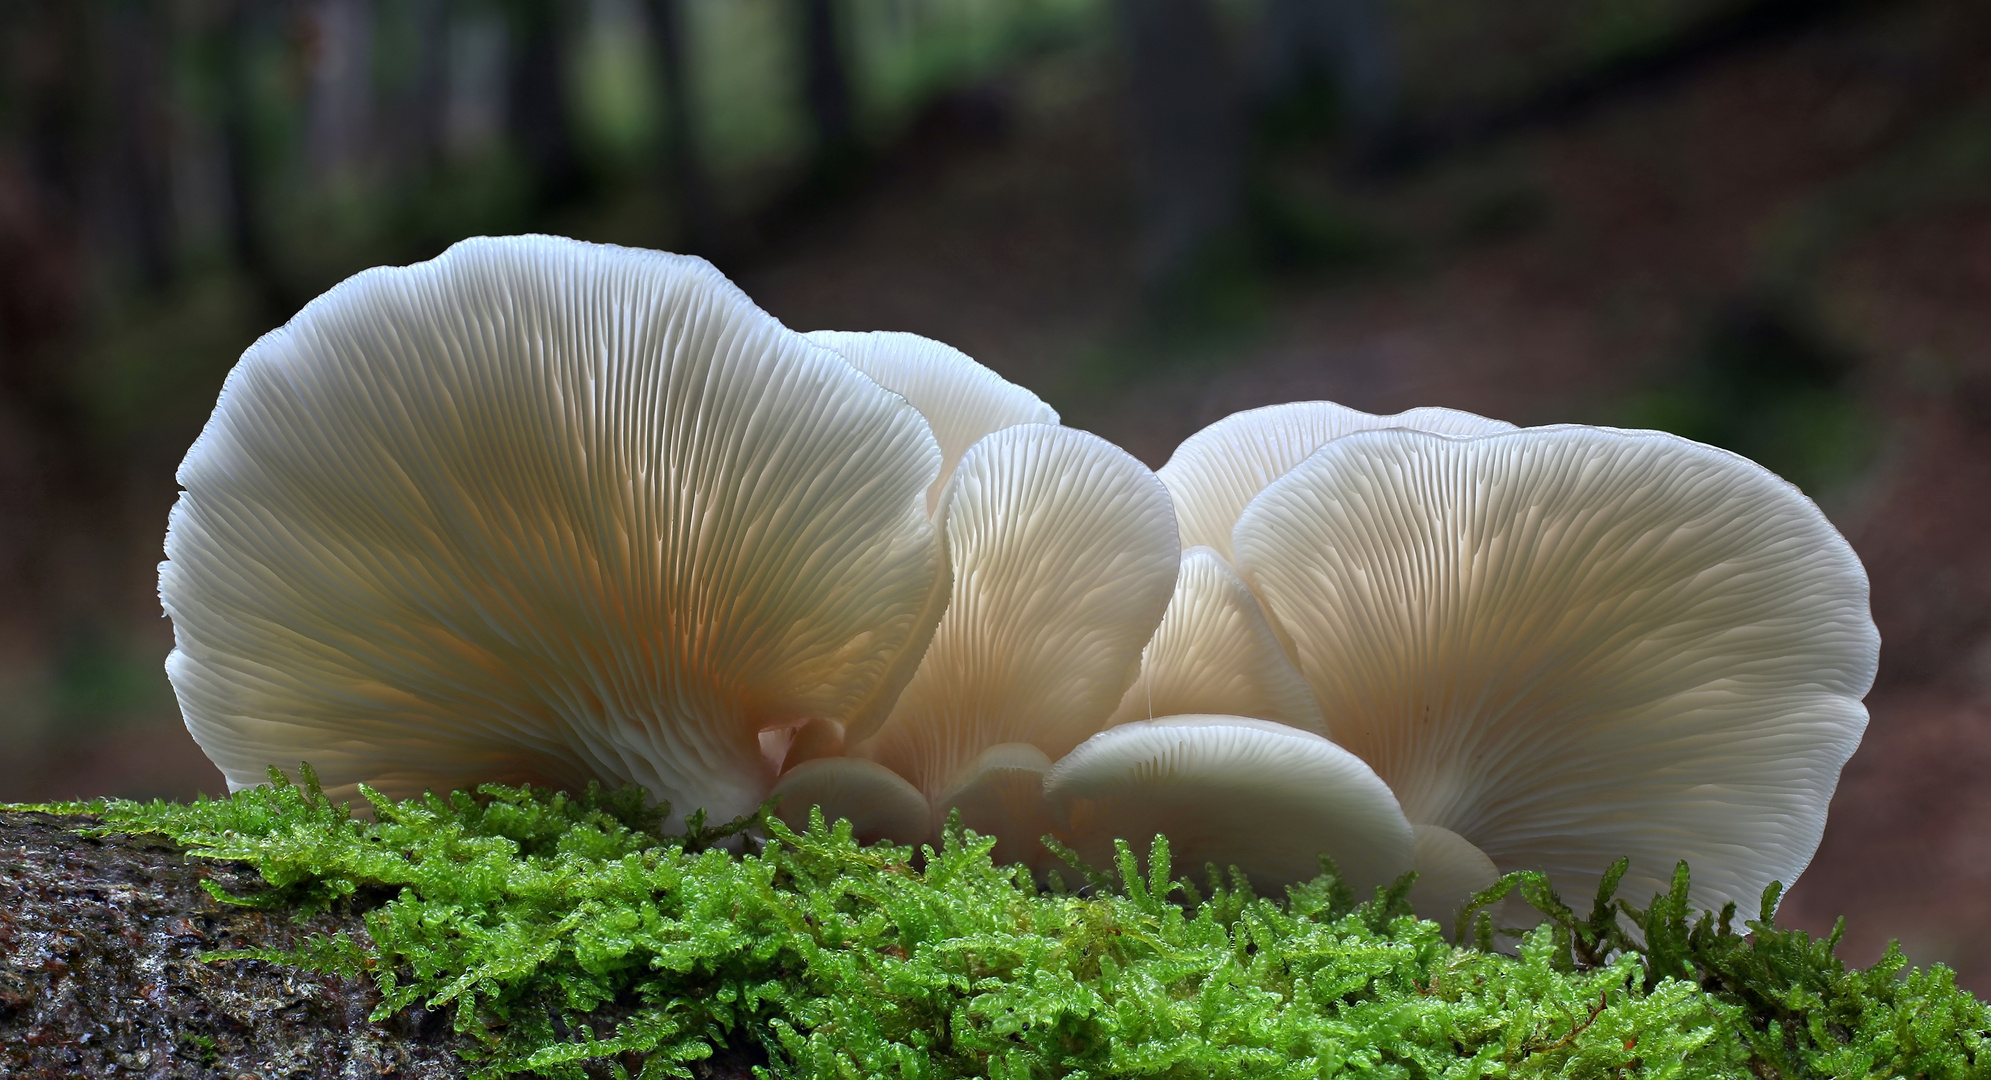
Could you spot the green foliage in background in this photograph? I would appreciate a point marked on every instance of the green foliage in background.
(564, 928)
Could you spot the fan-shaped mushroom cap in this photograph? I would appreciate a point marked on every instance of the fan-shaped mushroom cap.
(1449, 871)
(1001, 794)
(1571, 644)
(1220, 469)
(961, 399)
(1215, 654)
(1261, 796)
(1064, 556)
(547, 510)
(877, 802)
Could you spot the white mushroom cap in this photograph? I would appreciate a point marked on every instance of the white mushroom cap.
(877, 802)
(1233, 791)
(1449, 871)
(962, 400)
(1064, 557)
(1216, 472)
(1001, 794)
(544, 510)
(1571, 644)
(1215, 653)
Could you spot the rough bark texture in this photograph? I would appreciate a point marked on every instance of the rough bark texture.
(101, 975)
(100, 972)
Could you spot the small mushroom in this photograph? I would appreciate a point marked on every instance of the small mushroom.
(1064, 556)
(1216, 472)
(877, 802)
(1449, 871)
(1215, 653)
(550, 511)
(1568, 644)
(1001, 794)
(961, 400)
(1231, 791)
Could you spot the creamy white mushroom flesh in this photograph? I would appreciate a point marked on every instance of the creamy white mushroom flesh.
(1570, 644)
(1064, 556)
(544, 510)
(1231, 791)
(1449, 871)
(1215, 653)
(1216, 472)
(1001, 794)
(878, 804)
(962, 400)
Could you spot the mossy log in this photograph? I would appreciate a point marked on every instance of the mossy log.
(101, 973)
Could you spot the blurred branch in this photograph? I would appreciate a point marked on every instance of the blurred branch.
(1742, 26)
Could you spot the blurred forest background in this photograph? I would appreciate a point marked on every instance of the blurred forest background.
(1761, 223)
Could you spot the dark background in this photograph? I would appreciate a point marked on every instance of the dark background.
(1761, 223)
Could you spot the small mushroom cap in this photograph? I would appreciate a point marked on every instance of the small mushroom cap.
(962, 400)
(1001, 794)
(1449, 871)
(1571, 644)
(1216, 472)
(1232, 791)
(546, 510)
(878, 804)
(1064, 557)
(1214, 653)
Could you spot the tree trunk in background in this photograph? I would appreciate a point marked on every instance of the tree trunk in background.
(826, 90)
(1347, 44)
(701, 227)
(340, 112)
(141, 38)
(46, 458)
(101, 974)
(241, 166)
(537, 107)
(1187, 128)
(427, 114)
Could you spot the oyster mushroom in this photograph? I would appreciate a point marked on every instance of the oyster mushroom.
(550, 511)
(1064, 556)
(1216, 472)
(961, 400)
(1563, 645)
(1215, 653)
(1231, 791)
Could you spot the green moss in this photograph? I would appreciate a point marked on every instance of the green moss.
(565, 928)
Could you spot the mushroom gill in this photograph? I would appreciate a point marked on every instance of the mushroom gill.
(1064, 556)
(1568, 644)
(539, 509)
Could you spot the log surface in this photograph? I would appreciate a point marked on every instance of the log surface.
(101, 973)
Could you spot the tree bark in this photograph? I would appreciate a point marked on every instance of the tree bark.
(100, 972)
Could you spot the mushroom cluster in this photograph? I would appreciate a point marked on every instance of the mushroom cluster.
(550, 512)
